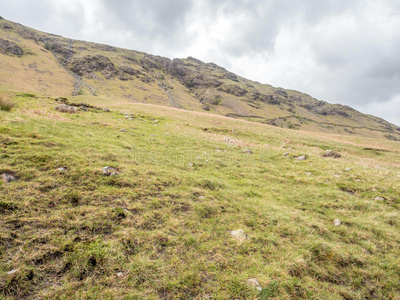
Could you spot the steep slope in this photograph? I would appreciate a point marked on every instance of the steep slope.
(56, 66)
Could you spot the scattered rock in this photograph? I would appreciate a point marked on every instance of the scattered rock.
(301, 157)
(379, 199)
(331, 153)
(110, 171)
(106, 109)
(66, 109)
(254, 283)
(337, 222)
(122, 130)
(286, 154)
(337, 176)
(8, 177)
(120, 274)
(374, 190)
(239, 234)
(62, 170)
(347, 169)
(248, 151)
(308, 173)
(358, 180)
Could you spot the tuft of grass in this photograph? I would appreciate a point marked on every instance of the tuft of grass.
(5, 103)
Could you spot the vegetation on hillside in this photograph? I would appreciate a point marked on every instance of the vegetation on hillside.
(161, 228)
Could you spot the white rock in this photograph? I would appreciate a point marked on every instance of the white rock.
(337, 176)
(12, 272)
(239, 234)
(379, 199)
(120, 274)
(347, 169)
(8, 177)
(61, 170)
(301, 157)
(254, 283)
(109, 171)
(337, 222)
(248, 151)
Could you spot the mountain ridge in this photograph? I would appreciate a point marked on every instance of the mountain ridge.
(87, 69)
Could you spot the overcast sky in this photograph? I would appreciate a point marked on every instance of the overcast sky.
(340, 51)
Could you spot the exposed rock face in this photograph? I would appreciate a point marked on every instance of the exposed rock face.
(270, 99)
(6, 26)
(233, 90)
(64, 50)
(130, 71)
(9, 47)
(83, 66)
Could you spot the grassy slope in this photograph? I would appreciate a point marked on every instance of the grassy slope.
(161, 228)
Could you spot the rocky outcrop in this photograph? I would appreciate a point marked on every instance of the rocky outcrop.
(83, 66)
(9, 47)
(233, 90)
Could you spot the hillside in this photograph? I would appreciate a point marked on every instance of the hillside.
(55, 66)
(110, 196)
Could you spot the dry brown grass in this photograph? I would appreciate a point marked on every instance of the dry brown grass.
(5, 103)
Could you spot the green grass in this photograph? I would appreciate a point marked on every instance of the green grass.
(161, 228)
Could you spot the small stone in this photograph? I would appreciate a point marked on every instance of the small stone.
(337, 222)
(62, 169)
(122, 130)
(106, 109)
(358, 180)
(8, 177)
(247, 151)
(109, 171)
(66, 109)
(374, 190)
(301, 157)
(12, 272)
(120, 274)
(254, 283)
(347, 169)
(190, 165)
(337, 176)
(331, 153)
(286, 154)
(239, 234)
(379, 199)
(201, 197)
(308, 173)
